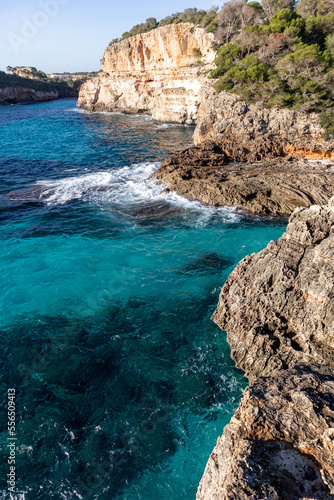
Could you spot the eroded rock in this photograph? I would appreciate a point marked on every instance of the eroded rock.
(223, 113)
(277, 306)
(13, 95)
(280, 442)
(159, 73)
(258, 176)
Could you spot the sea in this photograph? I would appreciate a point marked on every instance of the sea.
(122, 383)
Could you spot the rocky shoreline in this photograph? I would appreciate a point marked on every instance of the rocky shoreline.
(279, 443)
(277, 308)
(26, 85)
(26, 95)
(265, 175)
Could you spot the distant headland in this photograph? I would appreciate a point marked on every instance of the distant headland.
(26, 84)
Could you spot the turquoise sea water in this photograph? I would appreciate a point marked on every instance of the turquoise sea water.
(123, 383)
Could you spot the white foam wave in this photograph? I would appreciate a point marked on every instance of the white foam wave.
(63, 190)
(129, 186)
(170, 125)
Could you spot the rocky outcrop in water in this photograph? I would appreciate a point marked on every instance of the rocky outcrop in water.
(158, 73)
(280, 442)
(259, 175)
(222, 113)
(277, 308)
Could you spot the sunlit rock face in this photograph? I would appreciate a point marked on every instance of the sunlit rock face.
(277, 305)
(277, 308)
(159, 73)
(222, 113)
(279, 444)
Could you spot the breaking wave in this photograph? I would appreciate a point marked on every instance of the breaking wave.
(126, 188)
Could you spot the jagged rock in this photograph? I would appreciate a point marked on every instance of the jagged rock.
(280, 443)
(158, 73)
(223, 113)
(277, 306)
(266, 179)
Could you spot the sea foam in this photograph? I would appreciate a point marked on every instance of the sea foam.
(123, 188)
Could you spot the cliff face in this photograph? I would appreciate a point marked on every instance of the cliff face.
(158, 73)
(170, 47)
(223, 113)
(13, 95)
(280, 442)
(277, 307)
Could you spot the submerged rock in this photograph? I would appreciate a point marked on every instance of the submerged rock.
(280, 442)
(209, 263)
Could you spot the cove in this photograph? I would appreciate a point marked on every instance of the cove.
(123, 383)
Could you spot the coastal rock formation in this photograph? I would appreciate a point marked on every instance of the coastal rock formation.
(14, 95)
(158, 73)
(28, 85)
(223, 113)
(277, 306)
(28, 72)
(259, 176)
(280, 442)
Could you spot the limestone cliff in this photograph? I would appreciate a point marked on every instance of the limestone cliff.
(277, 307)
(158, 73)
(223, 113)
(13, 95)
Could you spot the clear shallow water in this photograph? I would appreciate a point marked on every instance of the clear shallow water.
(123, 382)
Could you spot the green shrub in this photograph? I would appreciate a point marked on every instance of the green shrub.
(288, 62)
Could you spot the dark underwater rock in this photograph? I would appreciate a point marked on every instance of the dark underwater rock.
(209, 263)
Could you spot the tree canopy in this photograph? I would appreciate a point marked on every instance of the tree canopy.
(284, 59)
(280, 52)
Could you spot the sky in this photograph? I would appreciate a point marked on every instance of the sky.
(71, 35)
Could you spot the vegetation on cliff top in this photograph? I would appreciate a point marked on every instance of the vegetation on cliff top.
(40, 82)
(7, 80)
(285, 58)
(279, 52)
(203, 18)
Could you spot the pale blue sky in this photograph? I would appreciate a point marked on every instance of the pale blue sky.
(71, 35)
